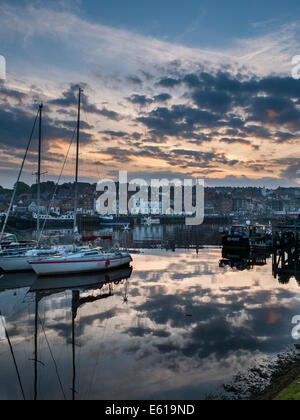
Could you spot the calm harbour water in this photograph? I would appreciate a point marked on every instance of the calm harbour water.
(177, 328)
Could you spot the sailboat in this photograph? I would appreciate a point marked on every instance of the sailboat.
(85, 260)
(16, 259)
(10, 243)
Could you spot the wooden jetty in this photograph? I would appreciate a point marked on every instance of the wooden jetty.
(286, 252)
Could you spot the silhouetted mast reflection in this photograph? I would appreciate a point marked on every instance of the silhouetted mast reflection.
(63, 284)
(13, 356)
(76, 303)
(36, 346)
(75, 298)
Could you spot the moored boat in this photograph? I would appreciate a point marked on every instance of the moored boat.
(80, 262)
(19, 262)
(64, 221)
(237, 236)
(10, 243)
(15, 254)
(248, 236)
(83, 261)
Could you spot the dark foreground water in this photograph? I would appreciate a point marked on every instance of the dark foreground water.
(177, 327)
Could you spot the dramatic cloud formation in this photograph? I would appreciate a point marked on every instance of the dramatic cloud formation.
(151, 105)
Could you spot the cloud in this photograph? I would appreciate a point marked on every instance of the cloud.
(95, 40)
(69, 98)
(168, 82)
(162, 97)
(284, 137)
(253, 314)
(292, 171)
(141, 100)
(16, 126)
(108, 113)
(7, 93)
(209, 100)
(144, 100)
(235, 140)
(177, 120)
(135, 80)
(275, 111)
(213, 100)
(112, 133)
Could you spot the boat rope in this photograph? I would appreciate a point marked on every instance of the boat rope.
(19, 176)
(55, 190)
(13, 356)
(53, 359)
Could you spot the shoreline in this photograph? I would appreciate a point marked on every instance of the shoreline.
(267, 380)
(284, 387)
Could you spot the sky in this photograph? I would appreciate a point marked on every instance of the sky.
(171, 89)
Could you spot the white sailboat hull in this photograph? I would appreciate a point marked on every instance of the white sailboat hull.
(70, 266)
(17, 263)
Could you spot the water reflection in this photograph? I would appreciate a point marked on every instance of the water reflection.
(243, 259)
(286, 262)
(155, 236)
(188, 325)
(93, 283)
(12, 281)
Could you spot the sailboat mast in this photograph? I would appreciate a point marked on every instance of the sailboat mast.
(13, 356)
(39, 172)
(18, 179)
(77, 165)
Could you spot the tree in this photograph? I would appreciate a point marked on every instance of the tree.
(22, 188)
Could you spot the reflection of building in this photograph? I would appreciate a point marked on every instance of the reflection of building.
(148, 233)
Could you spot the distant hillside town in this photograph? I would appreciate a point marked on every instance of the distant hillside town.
(219, 201)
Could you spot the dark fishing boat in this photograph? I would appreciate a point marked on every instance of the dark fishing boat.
(248, 236)
(29, 222)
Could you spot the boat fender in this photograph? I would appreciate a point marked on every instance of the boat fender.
(107, 263)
